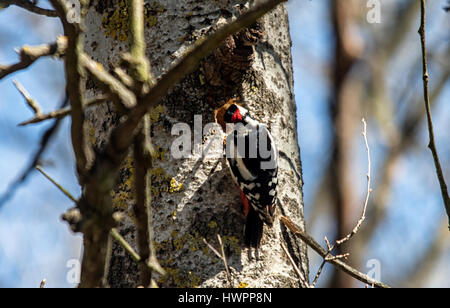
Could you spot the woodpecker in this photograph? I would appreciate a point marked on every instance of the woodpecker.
(253, 161)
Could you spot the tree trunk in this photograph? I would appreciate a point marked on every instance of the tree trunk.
(195, 198)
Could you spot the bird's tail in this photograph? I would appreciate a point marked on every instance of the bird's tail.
(253, 229)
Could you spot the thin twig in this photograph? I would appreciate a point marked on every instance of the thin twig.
(369, 190)
(33, 104)
(134, 255)
(296, 269)
(61, 113)
(309, 240)
(122, 97)
(432, 144)
(326, 259)
(409, 129)
(225, 260)
(31, 7)
(124, 77)
(221, 257)
(329, 257)
(62, 189)
(319, 272)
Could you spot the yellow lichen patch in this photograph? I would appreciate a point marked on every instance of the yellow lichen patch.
(175, 186)
(180, 279)
(154, 6)
(192, 241)
(115, 23)
(174, 234)
(123, 193)
(91, 134)
(178, 243)
(162, 182)
(155, 113)
(195, 242)
(151, 21)
(202, 79)
(212, 224)
(232, 243)
(160, 154)
(243, 285)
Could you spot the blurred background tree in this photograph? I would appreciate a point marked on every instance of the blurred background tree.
(347, 66)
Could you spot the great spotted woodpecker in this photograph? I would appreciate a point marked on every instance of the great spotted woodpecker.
(253, 160)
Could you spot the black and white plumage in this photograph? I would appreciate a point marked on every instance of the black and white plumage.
(253, 160)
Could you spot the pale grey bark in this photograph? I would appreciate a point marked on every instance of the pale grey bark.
(196, 198)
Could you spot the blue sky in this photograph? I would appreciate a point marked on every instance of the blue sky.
(36, 244)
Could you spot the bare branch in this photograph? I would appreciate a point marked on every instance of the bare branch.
(134, 255)
(121, 96)
(142, 153)
(29, 54)
(319, 272)
(62, 189)
(61, 113)
(432, 144)
(369, 190)
(329, 256)
(96, 211)
(324, 254)
(124, 77)
(75, 87)
(140, 67)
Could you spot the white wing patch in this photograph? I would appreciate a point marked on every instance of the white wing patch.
(246, 174)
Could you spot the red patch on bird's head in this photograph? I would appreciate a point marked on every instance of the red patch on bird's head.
(227, 114)
(236, 117)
